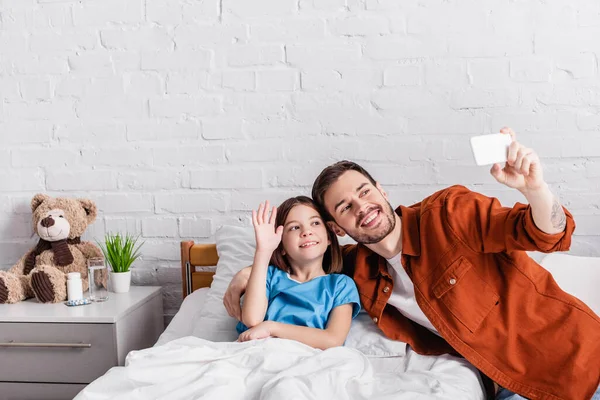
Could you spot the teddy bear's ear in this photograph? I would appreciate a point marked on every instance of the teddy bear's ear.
(90, 209)
(37, 200)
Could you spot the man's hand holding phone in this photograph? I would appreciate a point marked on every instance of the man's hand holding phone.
(522, 169)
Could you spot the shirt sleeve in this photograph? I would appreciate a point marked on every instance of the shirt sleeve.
(484, 225)
(271, 272)
(346, 293)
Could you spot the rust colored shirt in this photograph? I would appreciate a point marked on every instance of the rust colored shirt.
(490, 302)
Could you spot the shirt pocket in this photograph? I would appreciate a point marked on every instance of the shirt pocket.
(468, 297)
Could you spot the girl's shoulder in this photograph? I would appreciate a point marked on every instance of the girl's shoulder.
(273, 270)
(341, 280)
(275, 278)
(275, 274)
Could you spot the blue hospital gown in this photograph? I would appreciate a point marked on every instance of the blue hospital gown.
(306, 303)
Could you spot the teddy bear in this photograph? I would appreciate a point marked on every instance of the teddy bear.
(42, 272)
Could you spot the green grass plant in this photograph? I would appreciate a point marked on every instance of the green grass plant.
(120, 251)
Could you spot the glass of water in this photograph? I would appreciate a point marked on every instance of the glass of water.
(98, 279)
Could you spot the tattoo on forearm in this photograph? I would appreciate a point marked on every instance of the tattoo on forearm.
(559, 219)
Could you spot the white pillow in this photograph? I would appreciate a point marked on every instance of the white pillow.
(182, 323)
(235, 246)
(578, 276)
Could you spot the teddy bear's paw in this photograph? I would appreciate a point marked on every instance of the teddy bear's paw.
(11, 290)
(42, 286)
(3, 292)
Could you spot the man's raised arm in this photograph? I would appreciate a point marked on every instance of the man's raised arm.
(523, 171)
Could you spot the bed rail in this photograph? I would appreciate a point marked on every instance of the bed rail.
(197, 255)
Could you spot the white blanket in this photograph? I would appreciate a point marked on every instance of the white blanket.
(193, 368)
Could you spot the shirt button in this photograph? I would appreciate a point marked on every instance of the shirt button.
(375, 319)
(386, 289)
(452, 281)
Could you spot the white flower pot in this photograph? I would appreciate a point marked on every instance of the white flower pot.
(120, 281)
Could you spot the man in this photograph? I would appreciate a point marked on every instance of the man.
(450, 275)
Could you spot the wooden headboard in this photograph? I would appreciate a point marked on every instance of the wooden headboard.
(196, 255)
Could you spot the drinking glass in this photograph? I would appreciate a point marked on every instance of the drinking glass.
(97, 277)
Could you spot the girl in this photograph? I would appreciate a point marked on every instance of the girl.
(295, 291)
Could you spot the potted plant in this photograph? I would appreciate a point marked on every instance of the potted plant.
(120, 251)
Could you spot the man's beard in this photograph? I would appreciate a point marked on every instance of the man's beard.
(389, 219)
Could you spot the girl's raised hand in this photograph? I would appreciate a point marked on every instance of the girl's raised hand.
(267, 237)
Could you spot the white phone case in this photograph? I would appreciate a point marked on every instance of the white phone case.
(490, 149)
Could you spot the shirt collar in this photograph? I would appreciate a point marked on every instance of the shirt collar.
(411, 240)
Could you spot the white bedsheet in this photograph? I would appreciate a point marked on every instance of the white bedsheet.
(180, 366)
(185, 367)
(193, 368)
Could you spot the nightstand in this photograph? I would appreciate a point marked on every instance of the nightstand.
(51, 351)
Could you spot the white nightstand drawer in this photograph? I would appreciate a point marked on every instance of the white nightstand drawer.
(50, 352)
(39, 391)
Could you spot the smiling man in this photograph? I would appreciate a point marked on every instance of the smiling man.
(451, 275)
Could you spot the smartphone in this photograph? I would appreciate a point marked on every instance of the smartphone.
(490, 149)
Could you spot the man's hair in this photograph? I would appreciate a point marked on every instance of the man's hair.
(332, 260)
(328, 176)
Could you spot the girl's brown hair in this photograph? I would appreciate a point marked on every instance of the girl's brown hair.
(332, 260)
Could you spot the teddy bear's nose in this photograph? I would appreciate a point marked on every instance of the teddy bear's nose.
(47, 222)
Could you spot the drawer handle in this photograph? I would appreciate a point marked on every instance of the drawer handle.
(53, 345)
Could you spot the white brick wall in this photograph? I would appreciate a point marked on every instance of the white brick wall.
(179, 116)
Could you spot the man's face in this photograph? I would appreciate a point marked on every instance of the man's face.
(359, 208)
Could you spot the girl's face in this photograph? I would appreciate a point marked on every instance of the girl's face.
(304, 234)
